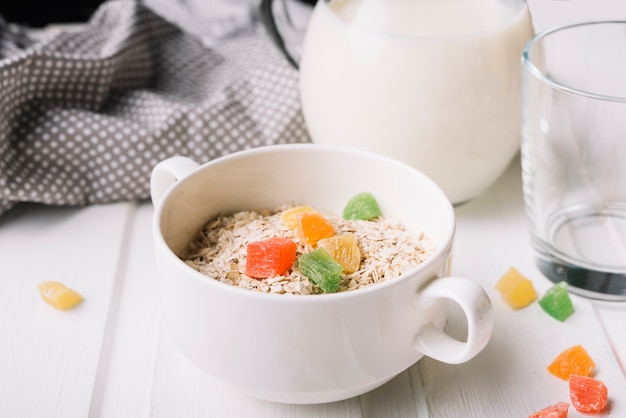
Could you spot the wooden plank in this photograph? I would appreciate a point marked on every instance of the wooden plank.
(509, 378)
(395, 399)
(49, 358)
(143, 374)
(125, 373)
(181, 389)
(612, 316)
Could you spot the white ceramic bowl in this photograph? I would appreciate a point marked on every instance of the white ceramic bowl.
(309, 348)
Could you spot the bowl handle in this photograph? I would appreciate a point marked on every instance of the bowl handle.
(434, 342)
(168, 172)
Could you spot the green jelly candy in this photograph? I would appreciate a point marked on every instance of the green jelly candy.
(321, 268)
(557, 303)
(362, 207)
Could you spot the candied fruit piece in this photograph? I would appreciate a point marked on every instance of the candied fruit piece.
(587, 394)
(322, 269)
(344, 249)
(516, 290)
(269, 258)
(558, 410)
(574, 360)
(363, 206)
(59, 295)
(289, 217)
(556, 302)
(312, 227)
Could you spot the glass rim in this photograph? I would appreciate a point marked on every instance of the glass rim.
(528, 64)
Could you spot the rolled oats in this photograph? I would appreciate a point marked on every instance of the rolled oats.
(387, 251)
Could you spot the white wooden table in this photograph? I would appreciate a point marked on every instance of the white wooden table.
(112, 357)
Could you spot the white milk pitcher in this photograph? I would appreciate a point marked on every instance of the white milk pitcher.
(432, 83)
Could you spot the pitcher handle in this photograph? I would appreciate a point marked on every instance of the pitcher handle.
(267, 17)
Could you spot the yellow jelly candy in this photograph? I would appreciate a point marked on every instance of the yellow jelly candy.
(289, 217)
(516, 289)
(344, 249)
(59, 295)
(574, 360)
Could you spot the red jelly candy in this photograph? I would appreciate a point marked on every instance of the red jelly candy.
(558, 410)
(270, 258)
(587, 394)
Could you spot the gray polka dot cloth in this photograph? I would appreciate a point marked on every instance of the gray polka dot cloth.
(85, 114)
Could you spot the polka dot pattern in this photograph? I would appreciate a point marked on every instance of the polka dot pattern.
(87, 114)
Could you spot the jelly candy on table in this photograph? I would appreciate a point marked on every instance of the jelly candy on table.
(322, 269)
(516, 290)
(289, 217)
(588, 394)
(363, 206)
(344, 249)
(313, 226)
(574, 360)
(556, 302)
(269, 258)
(558, 410)
(59, 295)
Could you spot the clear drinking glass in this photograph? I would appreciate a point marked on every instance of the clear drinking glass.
(574, 155)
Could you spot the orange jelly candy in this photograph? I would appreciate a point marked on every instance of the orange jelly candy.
(574, 360)
(270, 258)
(587, 394)
(312, 227)
(558, 410)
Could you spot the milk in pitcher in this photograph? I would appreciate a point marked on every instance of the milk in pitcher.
(433, 83)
